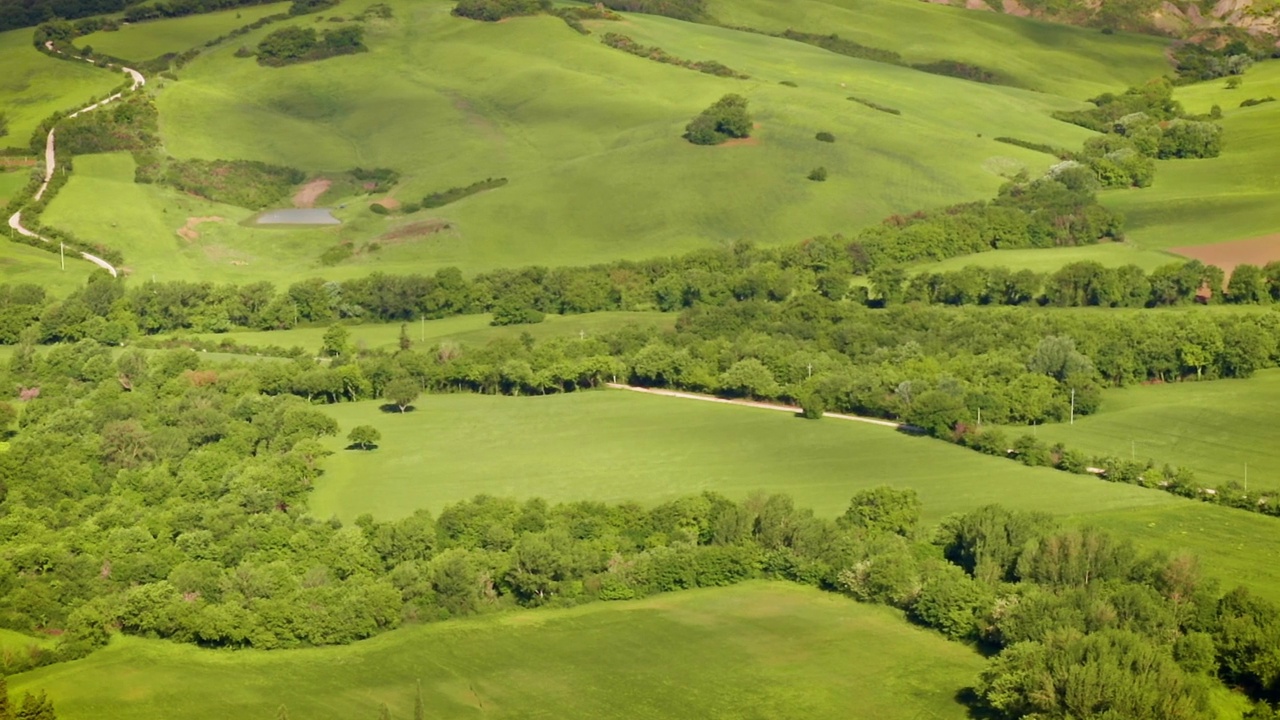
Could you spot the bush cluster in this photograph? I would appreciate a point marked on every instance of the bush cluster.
(295, 44)
(875, 106)
(657, 54)
(495, 10)
(727, 118)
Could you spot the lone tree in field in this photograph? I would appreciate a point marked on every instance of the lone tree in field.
(365, 437)
(401, 392)
(727, 118)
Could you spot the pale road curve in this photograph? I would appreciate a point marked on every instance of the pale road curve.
(50, 163)
(751, 403)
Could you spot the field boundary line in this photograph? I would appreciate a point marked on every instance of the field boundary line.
(756, 404)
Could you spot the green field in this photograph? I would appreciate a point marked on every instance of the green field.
(468, 329)
(1213, 428)
(146, 40)
(1231, 197)
(33, 85)
(615, 446)
(21, 263)
(1049, 260)
(1053, 58)
(11, 641)
(759, 650)
(587, 135)
(11, 182)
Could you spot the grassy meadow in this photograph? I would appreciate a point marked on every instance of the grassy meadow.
(146, 40)
(21, 263)
(1047, 260)
(1213, 428)
(1231, 197)
(758, 650)
(33, 85)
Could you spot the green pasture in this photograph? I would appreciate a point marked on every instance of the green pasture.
(616, 445)
(463, 329)
(1211, 427)
(34, 86)
(1053, 58)
(12, 641)
(11, 182)
(146, 40)
(1047, 260)
(758, 650)
(1231, 197)
(589, 138)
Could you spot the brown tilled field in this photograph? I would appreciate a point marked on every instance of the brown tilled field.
(1254, 251)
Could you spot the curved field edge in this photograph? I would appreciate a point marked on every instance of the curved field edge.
(759, 649)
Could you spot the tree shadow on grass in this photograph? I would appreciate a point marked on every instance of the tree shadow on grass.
(395, 409)
(358, 446)
(977, 709)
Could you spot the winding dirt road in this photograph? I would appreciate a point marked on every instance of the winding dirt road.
(762, 405)
(50, 164)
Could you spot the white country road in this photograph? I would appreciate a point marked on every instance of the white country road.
(50, 164)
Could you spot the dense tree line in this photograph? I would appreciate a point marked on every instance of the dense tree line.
(495, 10)
(295, 44)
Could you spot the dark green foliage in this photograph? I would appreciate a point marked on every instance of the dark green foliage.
(1201, 61)
(842, 46)
(883, 510)
(4, 124)
(710, 67)
(1244, 104)
(727, 118)
(379, 209)
(824, 136)
(495, 10)
(1038, 147)
(678, 9)
(294, 44)
(818, 174)
(128, 124)
(303, 7)
(964, 71)
(246, 183)
(787, 83)
(875, 105)
(440, 199)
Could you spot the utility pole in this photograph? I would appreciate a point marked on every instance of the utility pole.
(810, 369)
(979, 416)
(424, 328)
(1073, 406)
(62, 254)
(1246, 477)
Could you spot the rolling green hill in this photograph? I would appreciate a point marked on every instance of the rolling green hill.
(33, 86)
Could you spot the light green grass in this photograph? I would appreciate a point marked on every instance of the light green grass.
(146, 40)
(21, 263)
(34, 86)
(11, 182)
(1213, 428)
(11, 641)
(1231, 197)
(589, 137)
(616, 445)
(467, 329)
(1055, 58)
(1049, 260)
(759, 650)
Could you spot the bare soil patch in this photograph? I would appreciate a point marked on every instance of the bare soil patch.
(1013, 7)
(1254, 251)
(389, 203)
(17, 161)
(308, 194)
(188, 231)
(753, 139)
(417, 229)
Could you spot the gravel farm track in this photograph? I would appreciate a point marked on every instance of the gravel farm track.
(50, 164)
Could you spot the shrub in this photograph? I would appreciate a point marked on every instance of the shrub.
(657, 54)
(1256, 101)
(825, 136)
(295, 44)
(818, 174)
(440, 199)
(247, 183)
(678, 9)
(875, 105)
(378, 209)
(788, 83)
(495, 10)
(727, 118)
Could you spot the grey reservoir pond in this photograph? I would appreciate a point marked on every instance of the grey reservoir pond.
(298, 216)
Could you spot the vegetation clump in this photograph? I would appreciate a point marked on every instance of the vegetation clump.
(454, 194)
(818, 174)
(875, 106)
(128, 124)
(1256, 101)
(246, 183)
(726, 119)
(294, 44)
(824, 136)
(495, 10)
(690, 10)
(657, 54)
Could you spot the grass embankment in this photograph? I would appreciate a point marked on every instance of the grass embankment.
(1231, 197)
(1049, 260)
(147, 40)
(589, 138)
(623, 446)
(759, 650)
(34, 86)
(464, 329)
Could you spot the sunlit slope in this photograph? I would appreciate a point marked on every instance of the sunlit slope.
(1232, 197)
(146, 40)
(1070, 61)
(758, 650)
(590, 139)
